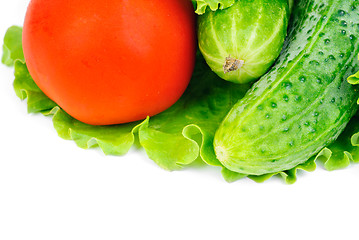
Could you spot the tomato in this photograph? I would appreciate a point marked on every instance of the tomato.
(110, 61)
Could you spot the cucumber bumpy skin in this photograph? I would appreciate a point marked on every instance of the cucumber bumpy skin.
(304, 102)
(242, 42)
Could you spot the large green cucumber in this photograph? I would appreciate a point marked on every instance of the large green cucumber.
(242, 42)
(304, 102)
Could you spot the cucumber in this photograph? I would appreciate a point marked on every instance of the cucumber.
(304, 102)
(242, 42)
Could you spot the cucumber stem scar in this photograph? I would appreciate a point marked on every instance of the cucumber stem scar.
(232, 64)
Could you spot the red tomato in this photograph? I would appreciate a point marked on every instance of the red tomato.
(110, 61)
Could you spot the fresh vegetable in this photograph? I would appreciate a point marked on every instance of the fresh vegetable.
(197, 115)
(109, 62)
(242, 42)
(180, 136)
(211, 5)
(354, 79)
(304, 102)
(12, 48)
(173, 139)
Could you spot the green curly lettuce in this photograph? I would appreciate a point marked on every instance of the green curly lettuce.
(354, 79)
(12, 47)
(213, 5)
(180, 136)
(202, 5)
(175, 138)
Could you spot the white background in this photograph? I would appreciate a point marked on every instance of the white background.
(51, 189)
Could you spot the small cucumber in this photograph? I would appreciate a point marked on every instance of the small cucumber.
(304, 102)
(242, 42)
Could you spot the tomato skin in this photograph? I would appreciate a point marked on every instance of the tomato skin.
(110, 62)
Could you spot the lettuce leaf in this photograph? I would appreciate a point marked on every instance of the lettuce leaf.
(180, 136)
(201, 5)
(172, 139)
(12, 47)
(354, 79)
(213, 5)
